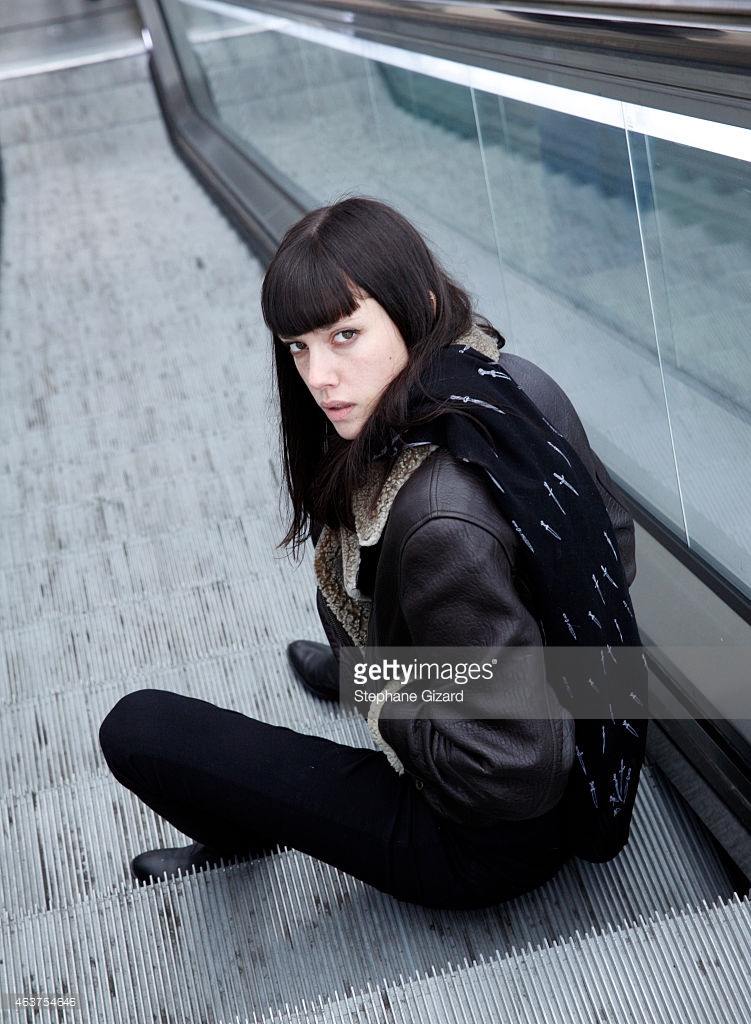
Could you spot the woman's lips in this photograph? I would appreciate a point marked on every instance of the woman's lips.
(338, 411)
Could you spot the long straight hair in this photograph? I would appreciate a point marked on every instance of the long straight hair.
(324, 266)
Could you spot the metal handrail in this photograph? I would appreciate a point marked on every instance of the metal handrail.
(690, 58)
(707, 12)
(715, 16)
(259, 200)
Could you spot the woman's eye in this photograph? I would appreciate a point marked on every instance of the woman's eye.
(346, 335)
(295, 347)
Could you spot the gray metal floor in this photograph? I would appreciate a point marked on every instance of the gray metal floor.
(139, 509)
(42, 35)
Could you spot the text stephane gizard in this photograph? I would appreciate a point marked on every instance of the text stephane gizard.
(390, 671)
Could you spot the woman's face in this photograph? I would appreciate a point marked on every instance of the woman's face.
(348, 365)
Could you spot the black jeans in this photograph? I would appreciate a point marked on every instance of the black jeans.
(236, 784)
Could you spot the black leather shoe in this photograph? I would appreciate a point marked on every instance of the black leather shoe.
(315, 667)
(156, 864)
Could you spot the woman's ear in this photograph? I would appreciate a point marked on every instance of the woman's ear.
(432, 300)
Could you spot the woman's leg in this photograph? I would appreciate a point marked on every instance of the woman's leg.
(234, 784)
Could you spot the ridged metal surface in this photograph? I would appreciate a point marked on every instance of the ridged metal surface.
(611, 977)
(173, 952)
(75, 839)
(38, 35)
(286, 927)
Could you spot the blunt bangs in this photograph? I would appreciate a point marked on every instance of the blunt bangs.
(305, 290)
(336, 255)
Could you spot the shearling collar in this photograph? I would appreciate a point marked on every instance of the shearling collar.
(337, 553)
(477, 339)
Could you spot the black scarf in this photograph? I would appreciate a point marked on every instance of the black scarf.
(594, 659)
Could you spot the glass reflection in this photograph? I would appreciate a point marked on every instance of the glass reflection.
(698, 254)
(621, 264)
(337, 123)
(578, 294)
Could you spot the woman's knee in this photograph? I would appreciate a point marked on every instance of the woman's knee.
(134, 722)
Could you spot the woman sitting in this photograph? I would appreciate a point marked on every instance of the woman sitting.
(455, 503)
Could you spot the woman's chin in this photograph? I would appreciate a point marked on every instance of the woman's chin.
(348, 428)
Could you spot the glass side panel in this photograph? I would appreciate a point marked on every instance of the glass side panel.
(340, 124)
(428, 163)
(618, 263)
(578, 294)
(697, 226)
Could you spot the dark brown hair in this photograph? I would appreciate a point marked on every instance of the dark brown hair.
(325, 264)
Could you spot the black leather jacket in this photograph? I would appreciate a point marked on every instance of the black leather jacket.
(448, 574)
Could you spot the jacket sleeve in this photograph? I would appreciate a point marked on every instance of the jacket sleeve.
(456, 588)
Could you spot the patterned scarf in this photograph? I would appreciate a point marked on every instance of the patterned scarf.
(594, 659)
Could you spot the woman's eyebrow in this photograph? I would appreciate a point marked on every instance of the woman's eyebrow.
(324, 327)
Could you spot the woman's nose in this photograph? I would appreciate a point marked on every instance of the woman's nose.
(322, 371)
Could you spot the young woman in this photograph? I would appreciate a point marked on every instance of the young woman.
(454, 502)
